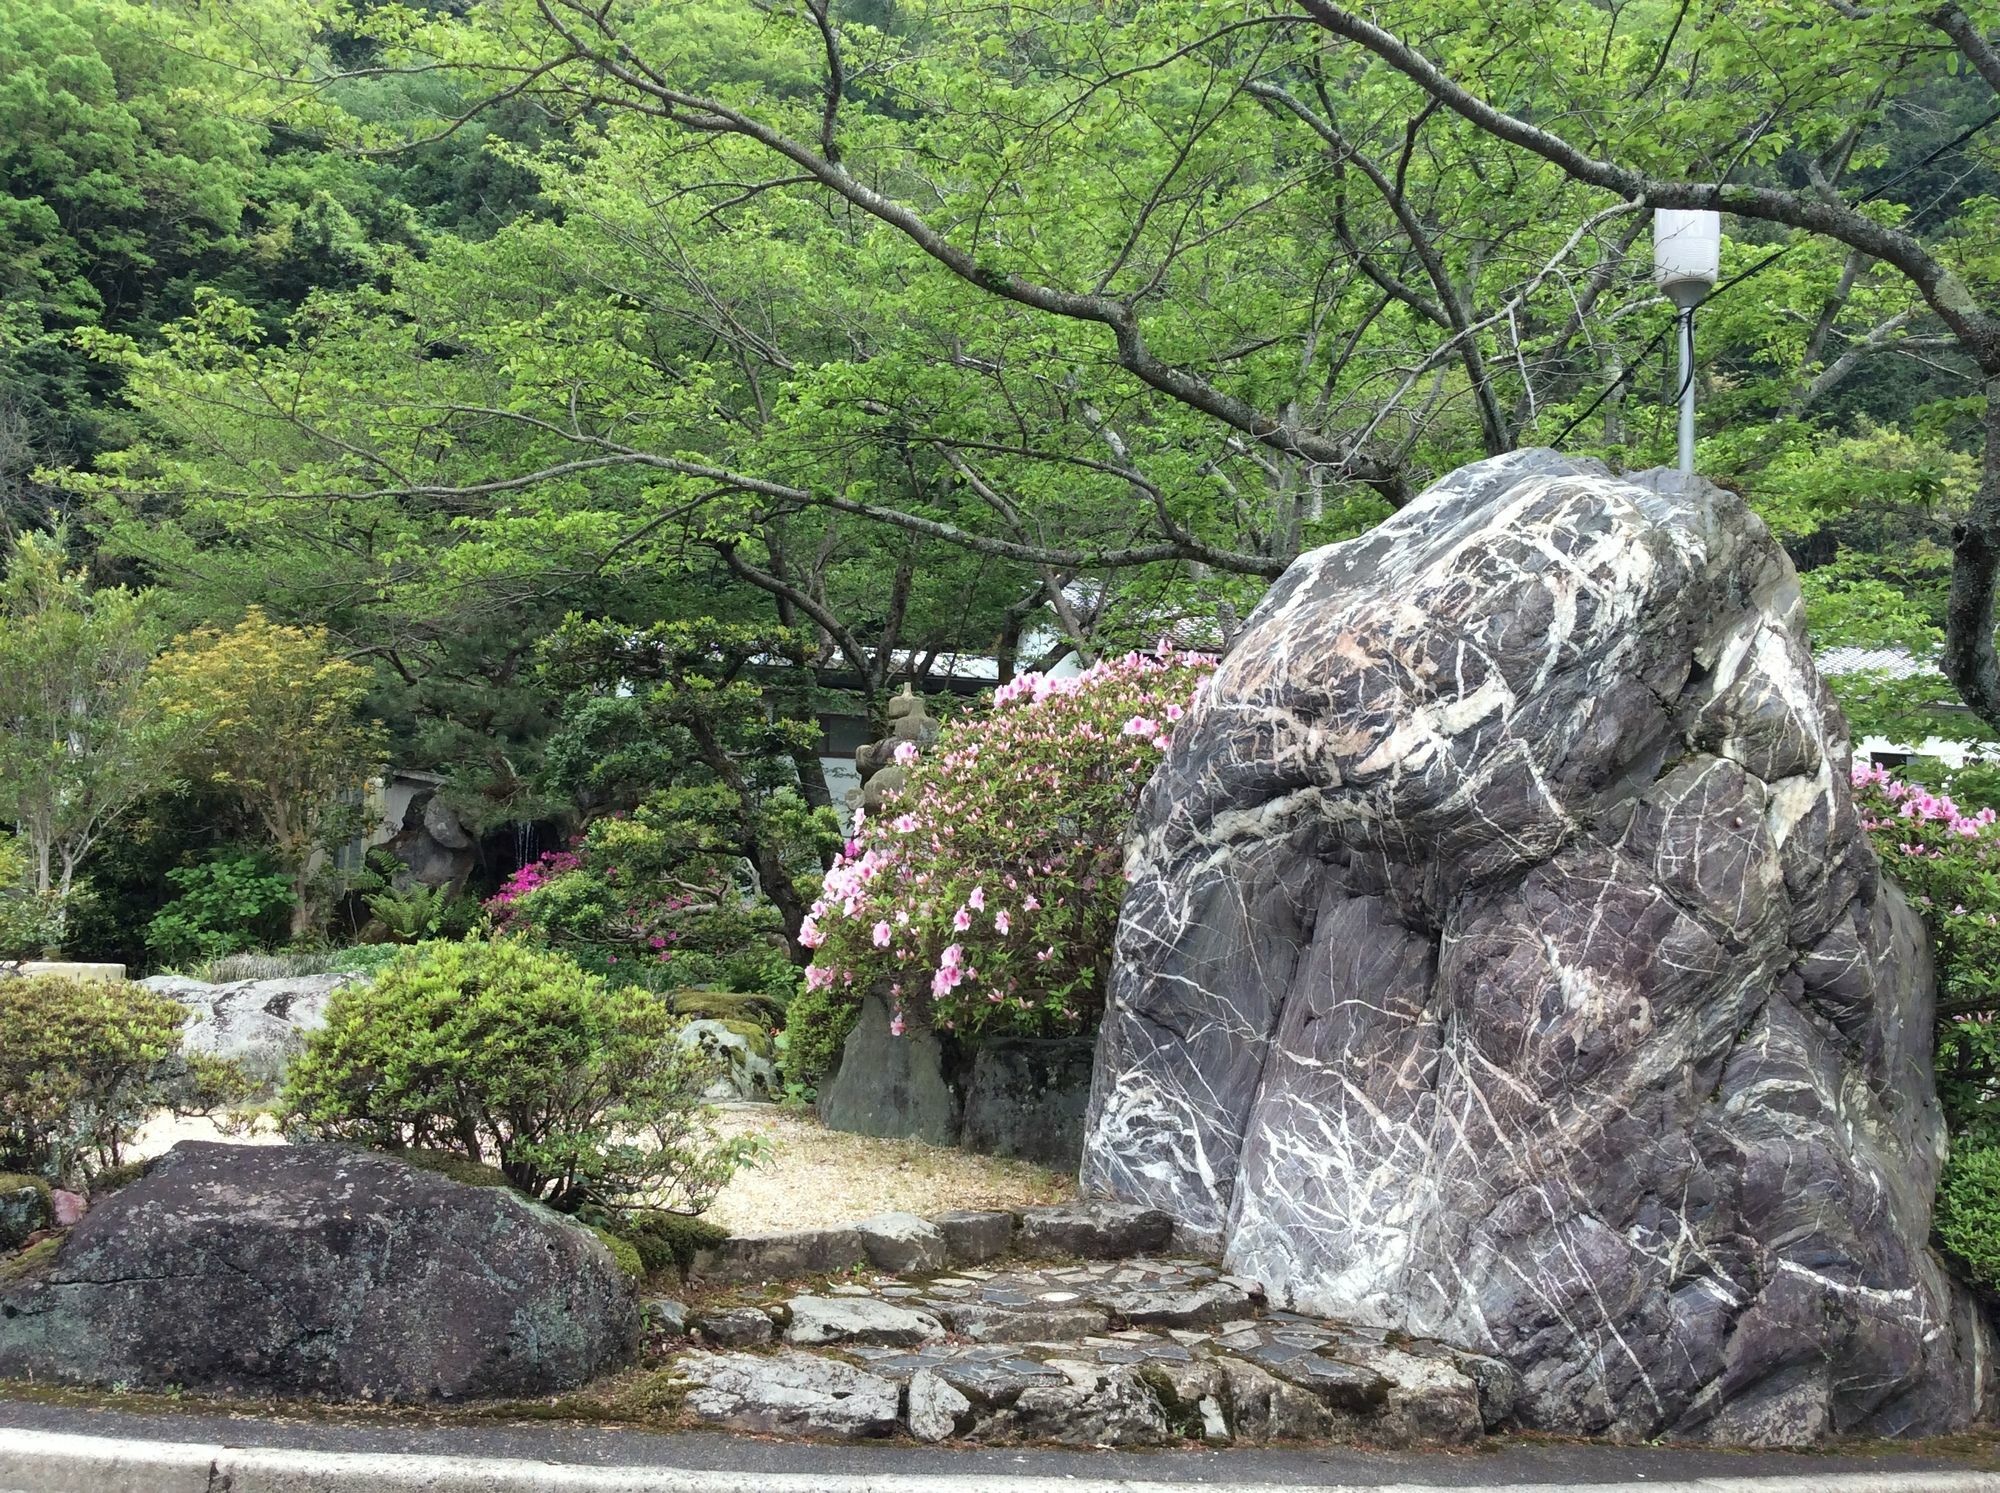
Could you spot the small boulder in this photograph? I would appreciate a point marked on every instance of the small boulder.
(738, 1327)
(1027, 1098)
(742, 1056)
(782, 1256)
(1119, 1409)
(319, 1270)
(902, 1242)
(68, 1207)
(820, 1320)
(663, 1314)
(936, 1409)
(1095, 1230)
(890, 1085)
(1204, 1305)
(25, 1208)
(973, 1238)
(790, 1394)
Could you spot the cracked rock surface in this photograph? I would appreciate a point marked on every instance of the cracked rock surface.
(318, 1270)
(1503, 964)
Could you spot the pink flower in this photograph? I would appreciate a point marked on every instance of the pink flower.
(1001, 922)
(905, 753)
(977, 900)
(882, 935)
(961, 920)
(1031, 903)
(896, 1025)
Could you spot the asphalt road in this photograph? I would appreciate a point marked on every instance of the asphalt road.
(566, 1452)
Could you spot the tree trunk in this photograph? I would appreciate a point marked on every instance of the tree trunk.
(1969, 659)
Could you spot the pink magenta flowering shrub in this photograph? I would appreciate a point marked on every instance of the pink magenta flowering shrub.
(984, 899)
(1948, 859)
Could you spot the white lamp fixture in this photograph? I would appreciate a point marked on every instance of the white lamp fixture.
(1687, 261)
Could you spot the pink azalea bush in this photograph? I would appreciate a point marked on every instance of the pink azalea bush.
(1948, 859)
(985, 898)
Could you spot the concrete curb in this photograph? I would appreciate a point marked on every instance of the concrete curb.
(55, 1462)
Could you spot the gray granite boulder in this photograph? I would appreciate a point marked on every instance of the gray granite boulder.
(902, 1242)
(25, 1207)
(1026, 1099)
(318, 1270)
(819, 1321)
(1503, 963)
(1094, 1230)
(889, 1085)
(259, 1024)
(792, 1394)
(972, 1237)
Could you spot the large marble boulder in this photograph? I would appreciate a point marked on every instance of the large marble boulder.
(1503, 963)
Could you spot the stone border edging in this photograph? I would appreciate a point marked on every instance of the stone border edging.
(61, 1462)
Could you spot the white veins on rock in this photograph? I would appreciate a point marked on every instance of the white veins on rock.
(1503, 962)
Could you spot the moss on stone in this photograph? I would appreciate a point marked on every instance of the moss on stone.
(30, 1261)
(112, 1178)
(625, 1253)
(454, 1167)
(671, 1240)
(729, 1006)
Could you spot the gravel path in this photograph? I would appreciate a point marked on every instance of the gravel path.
(816, 1177)
(812, 1178)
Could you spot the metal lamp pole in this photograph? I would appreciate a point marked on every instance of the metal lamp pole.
(1687, 259)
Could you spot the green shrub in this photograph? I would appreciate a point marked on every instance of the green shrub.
(112, 1178)
(82, 1063)
(817, 1024)
(30, 921)
(225, 906)
(1968, 1212)
(455, 1168)
(504, 1053)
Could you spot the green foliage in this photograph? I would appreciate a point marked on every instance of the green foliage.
(986, 897)
(578, 1091)
(1967, 1221)
(82, 1064)
(272, 715)
(224, 906)
(108, 1181)
(80, 740)
(1946, 856)
(418, 912)
(30, 921)
(817, 1024)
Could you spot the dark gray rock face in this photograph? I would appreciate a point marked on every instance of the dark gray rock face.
(1027, 1099)
(1503, 963)
(319, 1271)
(889, 1085)
(1095, 1230)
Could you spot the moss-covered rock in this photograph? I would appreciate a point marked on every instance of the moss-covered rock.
(625, 1253)
(671, 1240)
(32, 1261)
(757, 1009)
(25, 1207)
(458, 1168)
(108, 1181)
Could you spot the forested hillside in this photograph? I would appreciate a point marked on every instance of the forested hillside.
(816, 343)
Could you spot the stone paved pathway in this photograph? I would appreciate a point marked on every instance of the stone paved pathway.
(1135, 1352)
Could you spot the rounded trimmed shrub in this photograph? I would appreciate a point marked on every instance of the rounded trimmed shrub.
(511, 1055)
(1968, 1212)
